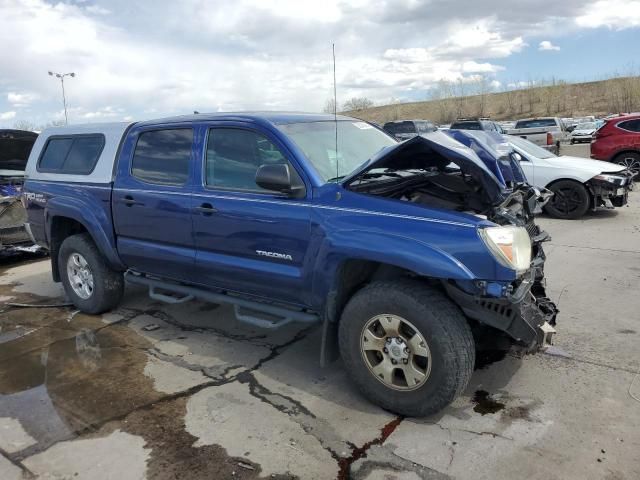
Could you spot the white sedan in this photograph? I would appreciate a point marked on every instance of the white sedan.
(583, 132)
(578, 184)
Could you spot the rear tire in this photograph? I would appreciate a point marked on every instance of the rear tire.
(88, 281)
(631, 160)
(439, 347)
(570, 200)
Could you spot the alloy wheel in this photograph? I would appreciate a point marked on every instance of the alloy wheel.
(80, 276)
(395, 352)
(566, 200)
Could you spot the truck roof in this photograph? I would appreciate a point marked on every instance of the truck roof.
(276, 118)
(113, 132)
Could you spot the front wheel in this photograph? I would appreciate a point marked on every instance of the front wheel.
(631, 161)
(570, 200)
(406, 346)
(88, 281)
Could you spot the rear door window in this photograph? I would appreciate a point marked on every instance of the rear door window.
(163, 156)
(630, 125)
(75, 154)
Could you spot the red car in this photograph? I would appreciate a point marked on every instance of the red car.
(618, 141)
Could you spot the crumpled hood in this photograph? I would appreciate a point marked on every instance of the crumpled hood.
(429, 150)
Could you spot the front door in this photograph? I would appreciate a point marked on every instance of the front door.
(152, 202)
(248, 239)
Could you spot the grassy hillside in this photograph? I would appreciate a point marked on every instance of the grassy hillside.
(561, 99)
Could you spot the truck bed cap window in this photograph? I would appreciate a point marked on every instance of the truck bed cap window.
(73, 154)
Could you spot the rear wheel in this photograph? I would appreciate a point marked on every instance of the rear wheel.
(631, 160)
(570, 200)
(88, 281)
(406, 346)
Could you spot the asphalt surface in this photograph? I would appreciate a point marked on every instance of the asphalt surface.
(185, 391)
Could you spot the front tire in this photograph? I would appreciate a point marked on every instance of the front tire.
(407, 347)
(91, 285)
(570, 200)
(630, 160)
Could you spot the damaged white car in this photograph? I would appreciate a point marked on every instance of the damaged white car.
(15, 147)
(578, 184)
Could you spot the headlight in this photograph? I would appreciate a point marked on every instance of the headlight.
(511, 246)
(608, 178)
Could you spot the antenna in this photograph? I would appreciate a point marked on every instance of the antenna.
(335, 106)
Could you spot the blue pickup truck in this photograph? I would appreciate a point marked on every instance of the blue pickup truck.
(410, 255)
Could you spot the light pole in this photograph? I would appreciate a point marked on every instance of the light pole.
(64, 98)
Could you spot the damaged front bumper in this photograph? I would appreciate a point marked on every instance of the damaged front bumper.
(610, 193)
(523, 311)
(14, 232)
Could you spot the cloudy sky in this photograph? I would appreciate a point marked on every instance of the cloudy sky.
(138, 59)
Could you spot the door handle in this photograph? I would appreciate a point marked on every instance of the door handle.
(129, 201)
(206, 209)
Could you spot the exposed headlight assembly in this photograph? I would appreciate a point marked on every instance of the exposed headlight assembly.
(603, 177)
(511, 246)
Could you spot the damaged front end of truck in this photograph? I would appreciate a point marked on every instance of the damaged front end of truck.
(15, 146)
(437, 171)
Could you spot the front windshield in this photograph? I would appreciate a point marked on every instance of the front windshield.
(529, 148)
(357, 143)
(586, 126)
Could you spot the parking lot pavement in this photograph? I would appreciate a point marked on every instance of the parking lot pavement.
(184, 391)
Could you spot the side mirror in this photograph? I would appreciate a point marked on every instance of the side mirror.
(278, 178)
(517, 157)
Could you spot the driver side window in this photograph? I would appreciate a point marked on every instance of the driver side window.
(234, 156)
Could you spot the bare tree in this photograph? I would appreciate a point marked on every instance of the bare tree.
(25, 125)
(441, 94)
(330, 106)
(460, 94)
(481, 89)
(510, 96)
(531, 93)
(357, 103)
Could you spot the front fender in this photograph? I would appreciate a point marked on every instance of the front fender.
(96, 221)
(391, 249)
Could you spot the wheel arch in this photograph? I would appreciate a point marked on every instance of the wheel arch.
(615, 156)
(65, 217)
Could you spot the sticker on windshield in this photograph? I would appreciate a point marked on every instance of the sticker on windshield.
(362, 125)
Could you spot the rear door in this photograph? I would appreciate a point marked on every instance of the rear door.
(248, 239)
(152, 201)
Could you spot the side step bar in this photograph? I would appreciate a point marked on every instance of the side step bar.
(279, 316)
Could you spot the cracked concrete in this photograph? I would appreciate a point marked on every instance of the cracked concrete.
(200, 395)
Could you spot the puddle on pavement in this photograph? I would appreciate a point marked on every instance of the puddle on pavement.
(485, 403)
(64, 376)
(68, 377)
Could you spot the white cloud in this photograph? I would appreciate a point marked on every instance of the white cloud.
(21, 99)
(615, 14)
(547, 45)
(7, 115)
(151, 58)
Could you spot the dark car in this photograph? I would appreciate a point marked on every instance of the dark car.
(476, 124)
(405, 129)
(618, 141)
(15, 146)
